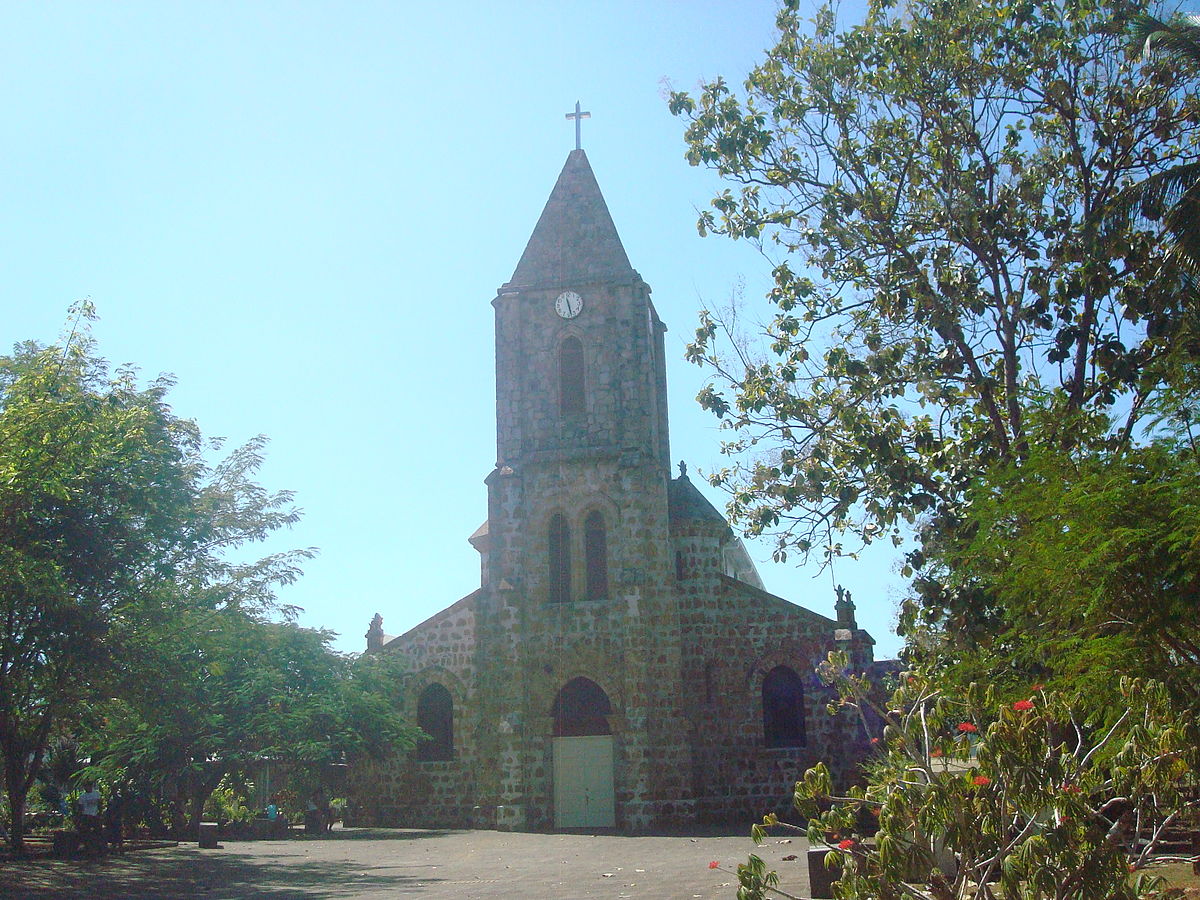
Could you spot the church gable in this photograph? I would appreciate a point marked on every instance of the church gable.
(755, 604)
(446, 639)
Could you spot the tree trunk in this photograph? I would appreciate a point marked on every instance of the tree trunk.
(179, 811)
(16, 786)
(16, 836)
(196, 811)
(20, 768)
(199, 798)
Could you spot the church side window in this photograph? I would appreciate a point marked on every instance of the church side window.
(570, 377)
(783, 709)
(435, 716)
(595, 552)
(560, 559)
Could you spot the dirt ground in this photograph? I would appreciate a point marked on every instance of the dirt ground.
(378, 863)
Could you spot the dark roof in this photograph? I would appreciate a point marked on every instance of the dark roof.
(575, 241)
(686, 504)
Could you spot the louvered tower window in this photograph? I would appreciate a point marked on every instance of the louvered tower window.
(595, 551)
(570, 377)
(560, 559)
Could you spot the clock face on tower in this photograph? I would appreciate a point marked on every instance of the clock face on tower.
(568, 305)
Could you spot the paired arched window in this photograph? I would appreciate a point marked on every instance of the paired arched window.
(560, 559)
(563, 558)
(595, 553)
(581, 708)
(783, 709)
(570, 377)
(435, 716)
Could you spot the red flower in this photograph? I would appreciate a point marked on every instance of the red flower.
(714, 865)
(967, 727)
(981, 780)
(874, 740)
(846, 844)
(1022, 705)
(876, 810)
(1038, 687)
(1071, 789)
(936, 751)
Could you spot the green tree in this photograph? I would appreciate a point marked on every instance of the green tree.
(929, 183)
(107, 509)
(977, 794)
(1171, 196)
(1093, 565)
(215, 695)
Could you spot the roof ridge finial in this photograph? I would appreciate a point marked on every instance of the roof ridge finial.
(578, 116)
(682, 469)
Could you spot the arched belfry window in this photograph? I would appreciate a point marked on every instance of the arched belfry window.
(580, 709)
(783, 709)
(435, 716)
(559, 540)
(595, 554)
(570, 377)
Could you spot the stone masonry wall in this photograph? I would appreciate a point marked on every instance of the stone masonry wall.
(405, 791)
(733, 635)
(626, 642)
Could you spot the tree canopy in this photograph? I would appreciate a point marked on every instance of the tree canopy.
(124, 585)
(231, 691)
(1171, 196)
(931, 185)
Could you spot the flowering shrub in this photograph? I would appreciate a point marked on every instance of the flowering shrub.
(1031, 801)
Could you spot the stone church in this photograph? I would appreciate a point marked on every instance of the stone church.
(621, 665)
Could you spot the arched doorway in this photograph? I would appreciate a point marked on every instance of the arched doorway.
(583, 757)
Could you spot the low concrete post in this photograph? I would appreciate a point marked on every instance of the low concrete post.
(821, 879)
(208, 836)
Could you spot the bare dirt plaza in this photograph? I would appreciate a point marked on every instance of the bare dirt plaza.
(376, 863)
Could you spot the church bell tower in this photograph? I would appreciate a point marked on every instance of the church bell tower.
(579, 570)
(580, 402)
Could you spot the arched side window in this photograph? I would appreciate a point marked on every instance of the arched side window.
(560, 559)
(783, 709)
(435, 716)
(581, 708)
(570, 377)
(595, 556)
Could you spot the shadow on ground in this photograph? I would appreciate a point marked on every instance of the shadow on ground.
(376, 864)
(157, 875)
(382, 834)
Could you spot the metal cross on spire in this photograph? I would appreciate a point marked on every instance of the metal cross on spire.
(577, 116)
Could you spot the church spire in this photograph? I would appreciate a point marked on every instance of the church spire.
(575, 241)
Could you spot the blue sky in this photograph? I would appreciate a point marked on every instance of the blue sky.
(303, 210)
